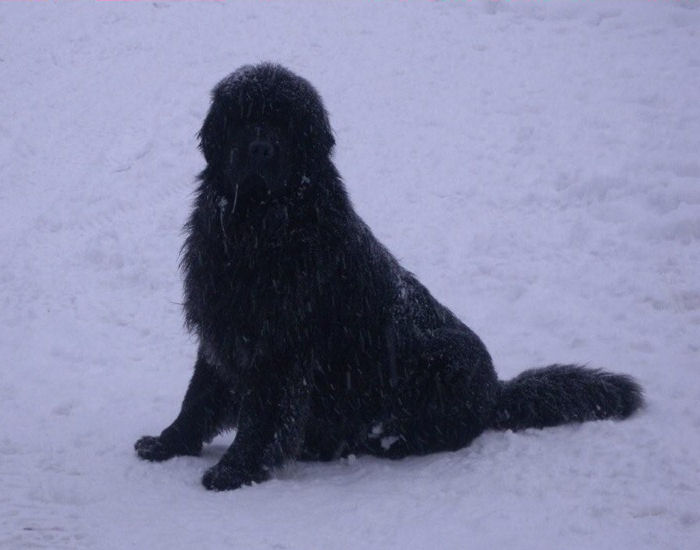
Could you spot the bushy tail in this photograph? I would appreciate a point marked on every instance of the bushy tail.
(564, 393)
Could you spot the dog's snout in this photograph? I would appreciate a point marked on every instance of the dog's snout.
(261, 150)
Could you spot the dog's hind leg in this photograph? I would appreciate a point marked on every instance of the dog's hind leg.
(443, 402)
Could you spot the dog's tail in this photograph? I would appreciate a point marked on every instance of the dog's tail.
(559, 394)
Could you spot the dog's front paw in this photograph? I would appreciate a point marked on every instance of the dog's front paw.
(222, 477)
(153, 448)
(157, 449)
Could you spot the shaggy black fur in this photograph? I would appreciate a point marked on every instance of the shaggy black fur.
(314, 342)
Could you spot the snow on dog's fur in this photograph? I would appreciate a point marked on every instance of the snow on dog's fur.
(313, 341)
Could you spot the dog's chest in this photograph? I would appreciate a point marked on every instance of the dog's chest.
(262, 289)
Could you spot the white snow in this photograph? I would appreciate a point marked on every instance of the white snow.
(535, 163)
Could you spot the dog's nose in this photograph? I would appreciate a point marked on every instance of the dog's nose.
(261, 150)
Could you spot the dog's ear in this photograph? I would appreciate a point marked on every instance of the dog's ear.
(212, 136)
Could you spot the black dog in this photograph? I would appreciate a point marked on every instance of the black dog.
(313, 341)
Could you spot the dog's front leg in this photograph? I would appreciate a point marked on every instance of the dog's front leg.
(270, 430)
(210, 406)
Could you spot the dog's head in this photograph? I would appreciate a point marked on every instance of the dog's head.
(265, 131)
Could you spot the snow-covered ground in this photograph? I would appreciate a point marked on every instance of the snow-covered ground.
(536, 163)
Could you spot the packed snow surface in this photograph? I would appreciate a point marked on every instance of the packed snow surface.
(535, 163)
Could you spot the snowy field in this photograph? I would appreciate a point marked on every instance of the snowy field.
(535, 163)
